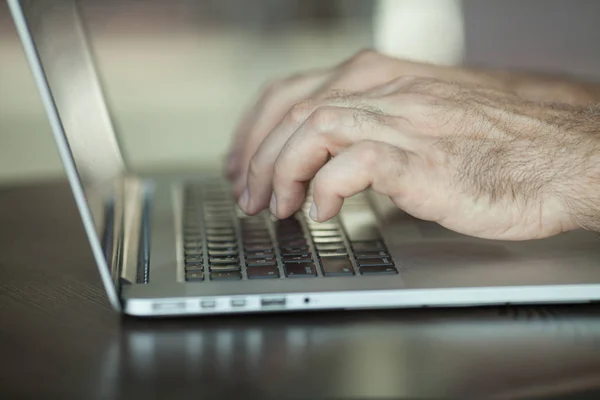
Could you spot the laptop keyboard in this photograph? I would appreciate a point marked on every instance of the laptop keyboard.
(221, 243)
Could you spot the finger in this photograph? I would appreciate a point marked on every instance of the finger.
(274, 141)
(257, 194)
(276, 138)
(378, 165)
(233, 159)
(401, 106)
(275, 103)
(327, 133)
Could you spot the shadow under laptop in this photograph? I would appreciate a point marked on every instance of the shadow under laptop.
(511, 352)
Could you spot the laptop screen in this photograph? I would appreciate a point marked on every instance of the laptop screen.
(64, 55)
(56, 48)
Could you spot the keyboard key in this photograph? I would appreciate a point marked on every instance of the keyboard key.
(225, 268)
(315, 226)
(374, 262)
(253, 226)
(196, 276)
(336, 253)
(257, 248)
(370, 245)
(217, 207)
(332, 233)
(220, 238)
(294, 250)
(193, 258)
(225, 276)
(194, 263)
(290, 237)
(259, 254)
(217, 213)
(218, 220)
(255, 230)
(263, 272)
(193, 252)
(304, 254)
(382, 270)
(292, 242)
(300, 270)
(328, 240)
(220, 231)
(219, 224)
(259, 262)
(265, 241)
(193, 244)
(330, 247)
(340, 266)
(222, 253)
(296, 259)
(194, 268)
(289, 233)
(287, 223)
(249, 236)
(223, 260)
(371, 254)
(222, 246)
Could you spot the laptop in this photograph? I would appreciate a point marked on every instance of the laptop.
(169, 244)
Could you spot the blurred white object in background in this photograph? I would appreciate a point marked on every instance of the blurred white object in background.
(421, 30)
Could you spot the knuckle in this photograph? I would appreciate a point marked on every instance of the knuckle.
(407, 80)
(323, 118)
(364, 56)
(369, 154)
(419, 85)
(300, 111)
(254, 168)
(421, 98)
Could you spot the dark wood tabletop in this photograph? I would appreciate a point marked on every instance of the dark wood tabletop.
(60, 339)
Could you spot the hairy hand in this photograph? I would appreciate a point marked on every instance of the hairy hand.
(364, 71)
(476, 160)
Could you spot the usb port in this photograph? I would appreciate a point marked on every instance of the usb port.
(208, 304)
(273, 302)
(238, 302)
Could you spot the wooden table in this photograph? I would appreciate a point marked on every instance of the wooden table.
(60, 339)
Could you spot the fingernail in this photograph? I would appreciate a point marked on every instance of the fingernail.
(244, 200)
(273, 204)
(313, 211)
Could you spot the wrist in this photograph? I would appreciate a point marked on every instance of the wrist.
(547, 88)
(580, 188)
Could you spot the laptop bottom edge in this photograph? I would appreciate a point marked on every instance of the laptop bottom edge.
(356, 300)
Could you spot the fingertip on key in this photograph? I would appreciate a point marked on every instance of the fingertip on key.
(273, 204)
(244, 200)
(314, 212)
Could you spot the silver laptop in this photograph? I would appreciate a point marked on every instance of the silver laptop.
(178, 245)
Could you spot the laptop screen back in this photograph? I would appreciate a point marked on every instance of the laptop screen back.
(59, 39)
(56, 48)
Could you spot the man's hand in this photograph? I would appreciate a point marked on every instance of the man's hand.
(367, 70)
(364, 71)
(476, 160)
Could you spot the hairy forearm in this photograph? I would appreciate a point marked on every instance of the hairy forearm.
(581, 193)
(547, 87)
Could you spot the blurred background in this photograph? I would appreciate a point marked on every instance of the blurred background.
(178, 73)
